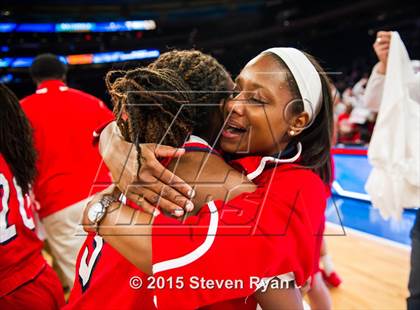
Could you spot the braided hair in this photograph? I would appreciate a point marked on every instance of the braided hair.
(149, 106)
(16, 141)
(206, 77)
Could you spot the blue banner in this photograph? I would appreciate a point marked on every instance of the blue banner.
(97, 58)
(133, 25)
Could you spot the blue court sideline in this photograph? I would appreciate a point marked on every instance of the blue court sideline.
(350, 205)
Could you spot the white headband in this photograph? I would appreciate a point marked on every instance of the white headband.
(306, 77)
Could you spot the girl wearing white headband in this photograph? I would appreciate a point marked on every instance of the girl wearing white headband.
(287, 101)
(278, 124)
(282, 99)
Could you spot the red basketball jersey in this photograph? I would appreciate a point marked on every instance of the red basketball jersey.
(68, 164)
(106, 280)
(20, 249)
(223, 255)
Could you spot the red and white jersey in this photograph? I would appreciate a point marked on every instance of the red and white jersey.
(106, 280)
(270, 232)
(64, 120)
(20, 249)
(219, 257)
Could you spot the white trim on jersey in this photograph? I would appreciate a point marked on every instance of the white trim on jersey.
(198, 252)
(267, 159)
(44, 90)
(197, 139)
(41, 91)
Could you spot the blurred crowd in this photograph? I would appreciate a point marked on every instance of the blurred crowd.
(354, 118)
(354, 122)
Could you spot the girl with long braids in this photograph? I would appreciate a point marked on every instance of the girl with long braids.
(26, 280)
(210, 83)
(281, 115)
(100, 270)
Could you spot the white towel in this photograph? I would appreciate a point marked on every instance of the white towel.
(394, 150)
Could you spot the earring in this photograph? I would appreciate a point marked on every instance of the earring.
(292, 132)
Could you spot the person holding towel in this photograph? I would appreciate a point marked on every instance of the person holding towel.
(393, 90)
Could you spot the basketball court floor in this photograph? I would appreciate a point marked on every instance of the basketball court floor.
(371, 254)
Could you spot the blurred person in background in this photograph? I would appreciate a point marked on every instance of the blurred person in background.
(348, 97)
(373, 98)
(338, 108)
(358, 91)
(361, 117)
(26, 280)
(63, 120)
(347, 132)
(354, 121)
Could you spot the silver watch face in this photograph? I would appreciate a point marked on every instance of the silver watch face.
(95, 213)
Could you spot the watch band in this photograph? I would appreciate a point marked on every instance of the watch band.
(106, 201)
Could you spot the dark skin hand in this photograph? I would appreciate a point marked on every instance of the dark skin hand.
(156, 185)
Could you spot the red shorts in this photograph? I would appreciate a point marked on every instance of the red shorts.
(42, 292)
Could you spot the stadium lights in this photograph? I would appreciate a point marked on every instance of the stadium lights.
(84, 59)
(133, 25)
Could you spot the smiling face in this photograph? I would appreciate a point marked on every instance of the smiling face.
(255, 118)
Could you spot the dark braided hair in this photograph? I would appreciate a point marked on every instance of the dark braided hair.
(16, 142)
(206, 77)
(147, 106)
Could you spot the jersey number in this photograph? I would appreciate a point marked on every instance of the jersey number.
(88, 264)
(8, 230)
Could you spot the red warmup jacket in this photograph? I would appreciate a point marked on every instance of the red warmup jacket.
(63, 120)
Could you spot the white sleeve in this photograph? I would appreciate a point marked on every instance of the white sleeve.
(415, 90)
(374, 90)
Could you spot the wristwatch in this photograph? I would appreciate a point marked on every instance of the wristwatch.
(97, 211)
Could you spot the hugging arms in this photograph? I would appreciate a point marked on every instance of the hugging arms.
(275, 125)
